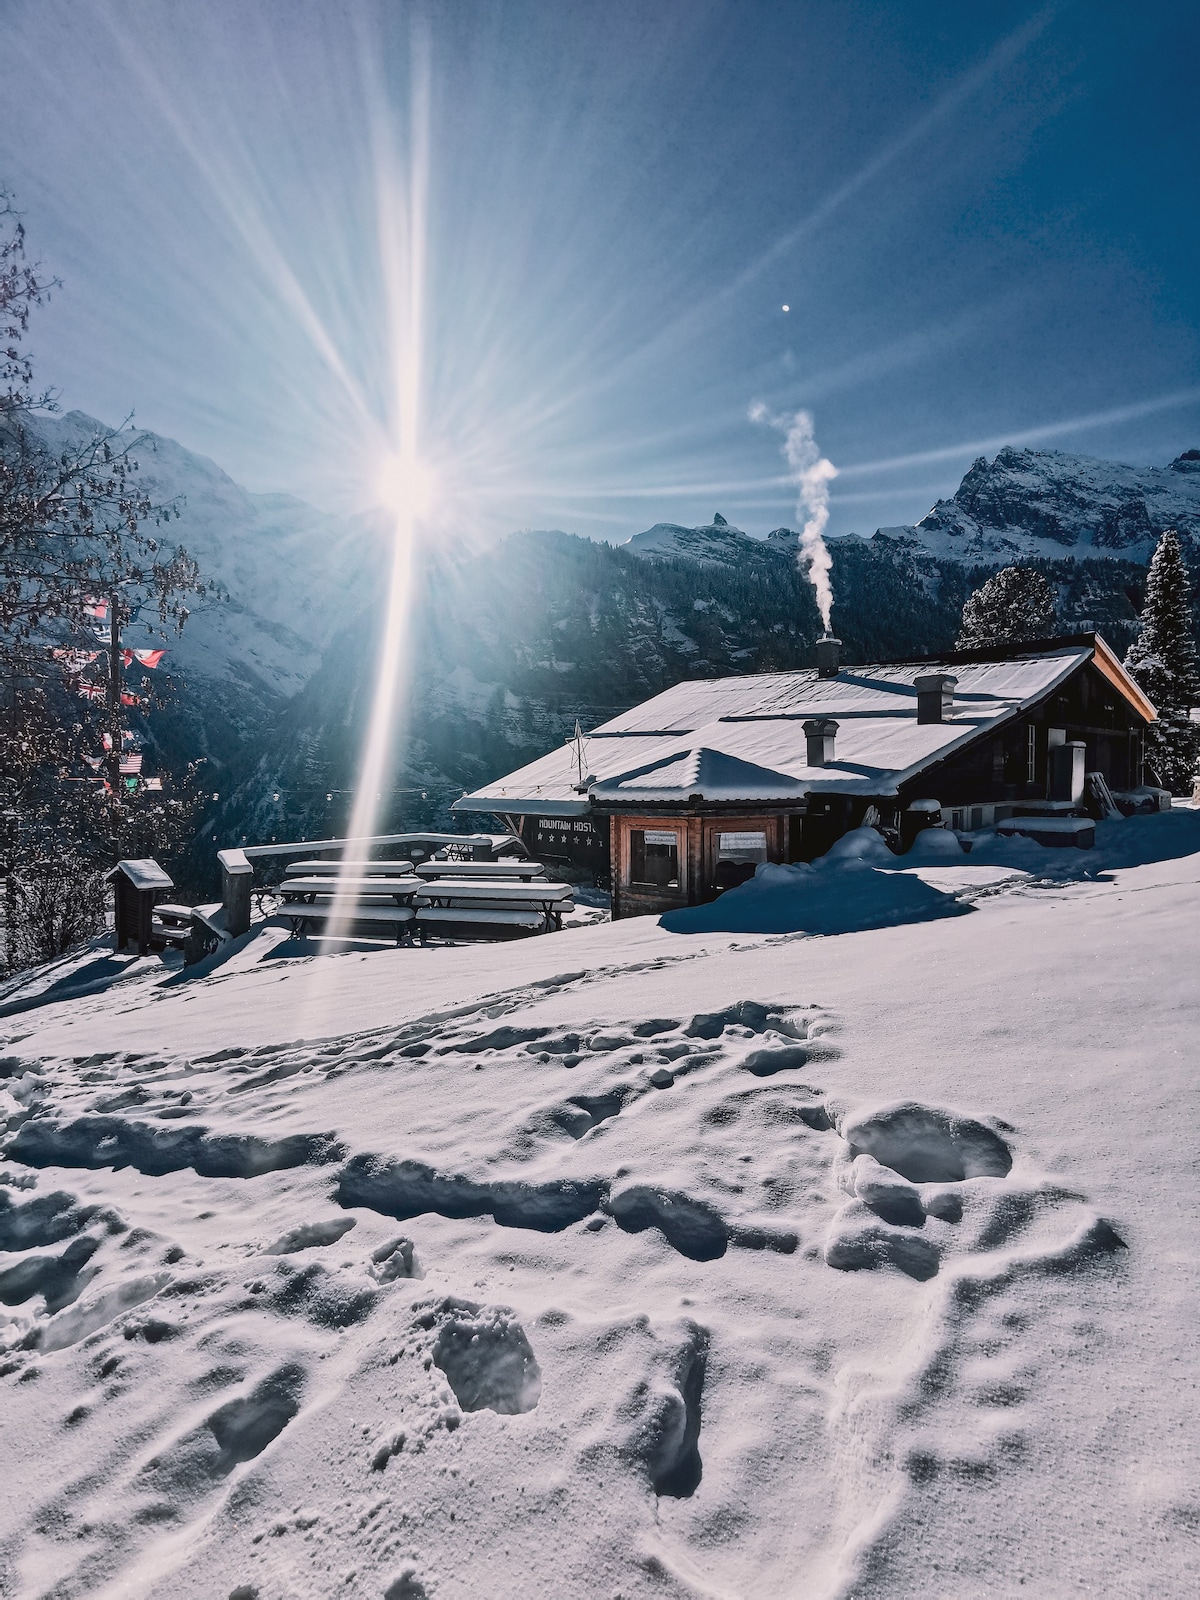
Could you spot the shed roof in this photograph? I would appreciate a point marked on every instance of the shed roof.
(730, 740)
(143, 874)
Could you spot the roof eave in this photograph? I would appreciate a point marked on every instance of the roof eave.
(522, 806)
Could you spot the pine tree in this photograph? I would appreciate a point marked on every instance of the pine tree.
(1014, 605)
(1163, 661)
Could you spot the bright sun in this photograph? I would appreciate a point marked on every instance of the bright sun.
(407, 486)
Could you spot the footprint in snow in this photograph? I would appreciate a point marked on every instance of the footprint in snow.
(485, 1355)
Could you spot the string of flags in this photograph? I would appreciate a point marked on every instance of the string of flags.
(99, 691)
(75, 662)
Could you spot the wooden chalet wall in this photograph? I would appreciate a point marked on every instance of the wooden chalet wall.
(697, 856)
(996, 769)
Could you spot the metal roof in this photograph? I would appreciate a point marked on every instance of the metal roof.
(729, 740)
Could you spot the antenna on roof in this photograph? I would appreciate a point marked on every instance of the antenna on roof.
(583, 778)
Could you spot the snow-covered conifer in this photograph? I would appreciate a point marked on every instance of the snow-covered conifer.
(1163, 661)
(1014, 605)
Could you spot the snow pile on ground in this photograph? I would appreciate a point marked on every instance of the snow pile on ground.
(622, 1261)
(821, 898)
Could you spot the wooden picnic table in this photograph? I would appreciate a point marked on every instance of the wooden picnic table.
(465, 899)
(330, 869)
(399, 889)
(302, 914)
(536, 892)
(481, 869)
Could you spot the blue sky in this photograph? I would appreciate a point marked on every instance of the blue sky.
(983, 218)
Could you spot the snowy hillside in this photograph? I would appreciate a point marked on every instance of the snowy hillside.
(294, 575)
(1049, 504)
(623, 1261)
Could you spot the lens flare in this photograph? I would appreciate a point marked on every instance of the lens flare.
(406, 487)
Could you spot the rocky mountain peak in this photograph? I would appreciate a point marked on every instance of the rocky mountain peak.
(1052, 504)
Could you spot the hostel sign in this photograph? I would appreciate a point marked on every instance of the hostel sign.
(578, 840)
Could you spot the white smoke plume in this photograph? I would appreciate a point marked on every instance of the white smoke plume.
(811, 473)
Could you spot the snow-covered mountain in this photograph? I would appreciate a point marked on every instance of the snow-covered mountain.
(294, 575)
(1024, 504)
(717, 541)
(1049, 504)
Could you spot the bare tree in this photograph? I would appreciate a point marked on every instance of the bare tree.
(77, 531)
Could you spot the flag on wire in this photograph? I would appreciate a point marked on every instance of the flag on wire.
(75, 660)
(131, 764)
(144, 658)
(94, 691)
(153, 784)
(95, 608)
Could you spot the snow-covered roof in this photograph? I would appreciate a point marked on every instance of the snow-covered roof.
(143, 874)
(729, 740)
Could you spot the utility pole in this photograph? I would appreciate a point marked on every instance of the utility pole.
(114, 719)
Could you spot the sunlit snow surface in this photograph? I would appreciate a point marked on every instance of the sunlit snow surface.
(623, 1261)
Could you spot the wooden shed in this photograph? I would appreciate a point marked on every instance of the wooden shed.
(137, 885)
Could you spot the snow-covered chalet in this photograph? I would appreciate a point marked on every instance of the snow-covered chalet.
(679, 798)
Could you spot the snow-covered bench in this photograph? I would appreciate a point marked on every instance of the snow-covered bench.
(535, 905)
(170, 925)
(399, 889)
(331, 868)
(482, 916)
(302, 915)
(1079, 832)
(495, 871)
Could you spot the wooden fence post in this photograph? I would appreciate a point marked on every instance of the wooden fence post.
(237, 880)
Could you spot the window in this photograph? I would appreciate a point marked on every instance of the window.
(1031, 757)
(653, 858)
(737, 856)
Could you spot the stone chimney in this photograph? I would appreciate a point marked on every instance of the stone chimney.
(820, 732)
(829, 656)
(935, 696)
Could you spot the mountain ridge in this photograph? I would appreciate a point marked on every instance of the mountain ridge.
(1022, 504)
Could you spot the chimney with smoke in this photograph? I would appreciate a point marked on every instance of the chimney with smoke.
(811, 473)
(820, 733)
(829, 656)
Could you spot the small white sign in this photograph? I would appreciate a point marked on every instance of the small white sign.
(743, 841)
(660, 836)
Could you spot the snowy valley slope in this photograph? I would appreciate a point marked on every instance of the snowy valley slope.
(624, 1261)
(293, 574)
